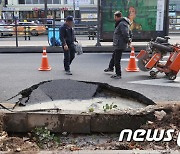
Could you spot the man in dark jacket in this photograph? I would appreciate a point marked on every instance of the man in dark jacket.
(121, 40)
(68, 38)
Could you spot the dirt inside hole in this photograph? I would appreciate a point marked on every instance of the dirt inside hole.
(14, 143)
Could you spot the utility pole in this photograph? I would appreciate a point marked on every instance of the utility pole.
(74, 9)
(99, 22)
(45, 10)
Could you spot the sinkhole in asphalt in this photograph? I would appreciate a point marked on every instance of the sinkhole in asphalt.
(71, 95)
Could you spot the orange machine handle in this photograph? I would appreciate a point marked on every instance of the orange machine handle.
(141, 54)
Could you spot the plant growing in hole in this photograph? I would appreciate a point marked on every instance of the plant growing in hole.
(109, 107)
(91, 110)
(44, 138)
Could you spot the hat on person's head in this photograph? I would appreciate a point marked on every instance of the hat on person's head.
(118, 13)
(69, 18)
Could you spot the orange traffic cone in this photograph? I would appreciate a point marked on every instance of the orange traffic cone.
(44, 64)
(132, 62)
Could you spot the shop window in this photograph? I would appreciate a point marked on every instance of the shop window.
(92, 2)
(65, 2)
(58, 14)
(56, 1)
(28, 2)
(41, 1)
(35, 14)
(6, 2)
(21, 1)
(42, 14)
(35, 1)
(49, 1)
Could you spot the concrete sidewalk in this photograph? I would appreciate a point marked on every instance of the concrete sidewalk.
(85, 43)
(35, 45)
(42, 40)
(8, 45)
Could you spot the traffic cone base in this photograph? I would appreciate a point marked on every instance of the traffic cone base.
(132, 70)
(132, 67)
(45, 69)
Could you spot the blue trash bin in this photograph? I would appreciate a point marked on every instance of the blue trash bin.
(51, 38)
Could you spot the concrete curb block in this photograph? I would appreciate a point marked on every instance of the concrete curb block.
(84, 123)
(25, 122)
(76, 123)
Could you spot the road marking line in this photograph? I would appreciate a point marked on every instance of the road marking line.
(160, 82)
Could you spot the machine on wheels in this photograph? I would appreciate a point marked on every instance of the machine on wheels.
(153, 58)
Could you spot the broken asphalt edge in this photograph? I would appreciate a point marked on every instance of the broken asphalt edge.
(102, 87)
(123, 93)
(84, 123)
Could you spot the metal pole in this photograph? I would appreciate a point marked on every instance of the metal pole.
(167, 18)
(54, 31)
(16, 33)
(25, 37)
(45, 11)
(99, 22)
(74, 9)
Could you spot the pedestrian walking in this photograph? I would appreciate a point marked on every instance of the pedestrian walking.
(121, 39)
(68, 38)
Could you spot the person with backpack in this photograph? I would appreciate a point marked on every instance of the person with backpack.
(121, 39)
(68, 38)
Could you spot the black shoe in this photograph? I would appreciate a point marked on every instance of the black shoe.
(116, 76)
(68, 73)
(109, 70)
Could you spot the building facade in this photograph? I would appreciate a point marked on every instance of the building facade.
(23, 9)
(174, 8)
(174, 12)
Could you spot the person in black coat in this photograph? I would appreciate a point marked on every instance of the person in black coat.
(121, 39)
(68, 38)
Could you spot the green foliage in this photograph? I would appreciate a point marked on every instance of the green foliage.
(109, 107)
(44, 138)
(91, 110)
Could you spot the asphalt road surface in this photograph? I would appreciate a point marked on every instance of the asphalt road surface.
(20, 71)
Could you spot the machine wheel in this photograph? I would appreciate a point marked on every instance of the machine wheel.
(153, 74)
(172, 76)
(141, 65)
(167, 74)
